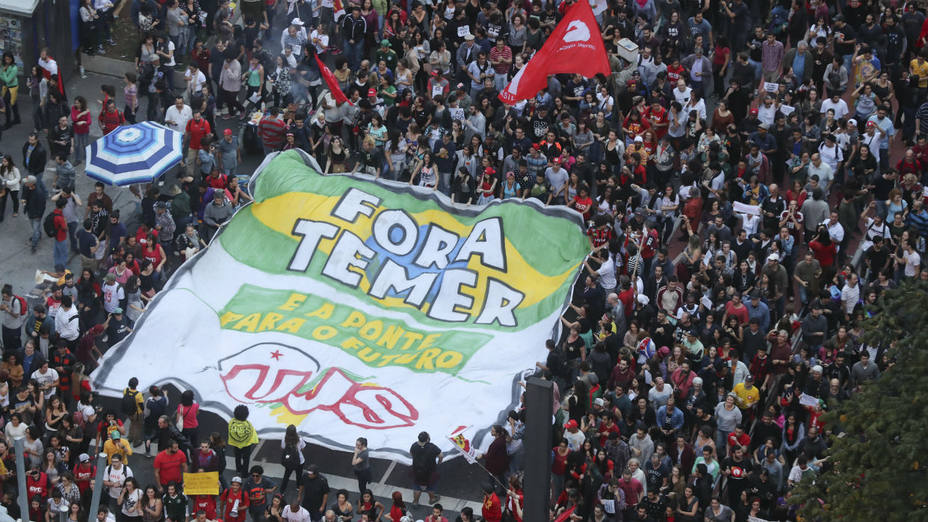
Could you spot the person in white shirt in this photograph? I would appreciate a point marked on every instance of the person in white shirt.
(115, 475)
(177, 115)
(46, 378)
(195, 79)
(850, 294)
(47, 62)
(824, 172)
(319, 39)
(910, 259)
(113, 293)
(294, 35)
(837, 104)
(682, 93)
(67, 324)
(294, 512)
(834, 228)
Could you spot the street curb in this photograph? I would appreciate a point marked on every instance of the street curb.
(116, 68)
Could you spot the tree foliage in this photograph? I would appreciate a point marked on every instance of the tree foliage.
(877, 465)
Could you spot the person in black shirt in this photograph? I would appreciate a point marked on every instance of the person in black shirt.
(425, 459)
(315, 493)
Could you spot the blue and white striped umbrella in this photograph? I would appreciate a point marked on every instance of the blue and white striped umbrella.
(138, 153)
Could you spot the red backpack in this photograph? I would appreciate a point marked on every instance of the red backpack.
(22, 304)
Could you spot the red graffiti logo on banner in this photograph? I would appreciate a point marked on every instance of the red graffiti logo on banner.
(270, 373)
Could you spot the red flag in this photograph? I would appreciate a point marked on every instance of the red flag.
(575, 46)
(331, 82)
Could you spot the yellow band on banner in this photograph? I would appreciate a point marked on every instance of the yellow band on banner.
(201, 483)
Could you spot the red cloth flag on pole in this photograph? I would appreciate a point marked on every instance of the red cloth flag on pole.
(575, 46)
(331, 82)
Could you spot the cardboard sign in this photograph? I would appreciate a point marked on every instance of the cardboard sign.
(201, 483)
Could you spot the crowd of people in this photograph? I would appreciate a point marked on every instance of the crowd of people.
(752, 181)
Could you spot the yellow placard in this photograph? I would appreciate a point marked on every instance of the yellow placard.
(201, 483)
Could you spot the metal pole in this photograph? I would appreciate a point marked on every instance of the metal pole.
(97, 486)
(539, 394)
(19, 446)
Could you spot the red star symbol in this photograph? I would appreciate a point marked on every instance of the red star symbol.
(276, 355)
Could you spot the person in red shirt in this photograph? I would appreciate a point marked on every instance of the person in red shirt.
(436, 515)
(217, 180)
(272, 129)
(110, 118)
(234, 502)
(675, 71)
(61, 235)
(582, 202)
(170, 466)
(492, 509)
(205, 503)
(632, 488)
(197, 129)
(515, 498)
(656, 116)
(84, 472)
(824, 248)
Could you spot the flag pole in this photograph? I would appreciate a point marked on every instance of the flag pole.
(473, 460)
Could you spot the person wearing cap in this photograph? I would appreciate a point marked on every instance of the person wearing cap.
(116, 445)
(386, 54)
(294, 36)
(84, 472)
(466, 53)
(315, 493)
(116, 326)
(234, 502)
(557, 179)
(574, 436)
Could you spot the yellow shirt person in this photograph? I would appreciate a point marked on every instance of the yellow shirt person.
(746, 393)
(116, 444)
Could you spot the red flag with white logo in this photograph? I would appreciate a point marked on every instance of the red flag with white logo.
(575, 46)
(331, 82)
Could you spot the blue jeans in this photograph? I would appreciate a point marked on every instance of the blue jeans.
(36, 231)
(354, 52)
(61, 255)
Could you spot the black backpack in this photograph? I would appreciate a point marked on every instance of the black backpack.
(290, 457)
(49, 225)
(129, 405)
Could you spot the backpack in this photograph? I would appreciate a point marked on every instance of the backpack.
(49, 225)
(129, 405)
(291, 457)
(22, 304)
(156, 407)
(109, 469)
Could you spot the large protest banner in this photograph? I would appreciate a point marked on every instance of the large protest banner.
(351, 307)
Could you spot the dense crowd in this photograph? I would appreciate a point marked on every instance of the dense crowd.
(751, 180)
